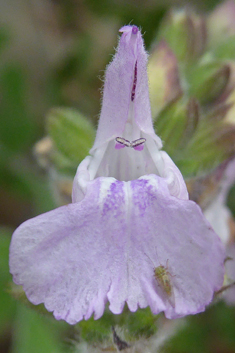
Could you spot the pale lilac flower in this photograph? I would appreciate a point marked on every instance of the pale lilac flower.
(130, 215)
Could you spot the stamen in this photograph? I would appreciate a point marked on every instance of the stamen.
(123, 141)
(134, 83)
(138, 144)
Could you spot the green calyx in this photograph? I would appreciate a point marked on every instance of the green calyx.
(197, 142)
(72, 136)
(198, 126)
(141, 324)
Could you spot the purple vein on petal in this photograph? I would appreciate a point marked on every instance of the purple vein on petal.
(134, 83)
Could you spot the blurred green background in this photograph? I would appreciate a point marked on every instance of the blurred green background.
(53, 53)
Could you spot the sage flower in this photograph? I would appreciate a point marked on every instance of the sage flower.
(130, 234)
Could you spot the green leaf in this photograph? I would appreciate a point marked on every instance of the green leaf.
(17, 127)
(174, 31)
(184, 31)
(4, 38)
(211, 331)
(211, 145)
(171, 124)
(37, 334)
(72, 135)
(196, 142)
(14, 181)
(226, 49)
(208, 80)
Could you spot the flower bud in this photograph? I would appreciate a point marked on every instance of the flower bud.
(185, 32)
(72, 136)
(164, 82)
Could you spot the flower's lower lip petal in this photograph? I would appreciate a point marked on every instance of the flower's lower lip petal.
(77, 257)
(174, 234)
(154, 300)
(60, 265)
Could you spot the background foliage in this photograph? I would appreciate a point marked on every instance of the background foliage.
(52, 54)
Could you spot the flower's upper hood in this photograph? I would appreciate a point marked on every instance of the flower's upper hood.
(126, 84)
(126, 114)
